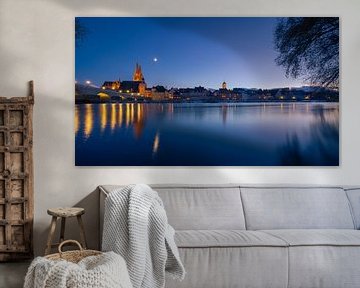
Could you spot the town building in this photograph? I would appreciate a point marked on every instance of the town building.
(159, 93)
(227, 94)
(136, 85)
(198, 93)
(113, 85)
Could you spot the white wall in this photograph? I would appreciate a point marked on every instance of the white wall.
(37, 42)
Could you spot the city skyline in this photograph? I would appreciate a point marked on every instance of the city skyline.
(181, 52)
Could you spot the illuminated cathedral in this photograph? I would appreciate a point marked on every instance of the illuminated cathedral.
(138, 75)
(136, 85)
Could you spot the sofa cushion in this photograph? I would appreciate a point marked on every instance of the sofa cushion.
(220, 267)
(317, 237)
(322, 258)
(226, 238)
(296, 208)
(192, 208)
(324, 266)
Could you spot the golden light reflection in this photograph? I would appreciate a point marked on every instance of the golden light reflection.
(120, 119)
(139, 111)
(113, 116)
(139, 123)
(156, 143)
(132, 113)
(116, 115)
(103, 113)
(77, 121)
(127, 114)
(89, 120)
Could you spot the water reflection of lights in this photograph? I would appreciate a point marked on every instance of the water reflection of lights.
(139, 112)
(171, 108)
(113, 116)
(127, 114)
(224, 109)
(89, 120)
(77, 121)
(120, 119)
(103, 113)
(156, 143)
(132, 113)
(139, 122)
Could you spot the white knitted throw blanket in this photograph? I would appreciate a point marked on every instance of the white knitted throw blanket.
(103, 271)
(136, 227)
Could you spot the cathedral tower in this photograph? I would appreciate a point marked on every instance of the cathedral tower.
(138, 76)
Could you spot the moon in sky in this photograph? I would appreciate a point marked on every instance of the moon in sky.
(155, 59)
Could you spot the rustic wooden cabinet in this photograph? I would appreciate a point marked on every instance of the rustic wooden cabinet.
(16, 177)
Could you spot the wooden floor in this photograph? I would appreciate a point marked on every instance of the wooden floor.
(12, 274)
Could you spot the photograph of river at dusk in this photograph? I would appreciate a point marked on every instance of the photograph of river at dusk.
(207, 91)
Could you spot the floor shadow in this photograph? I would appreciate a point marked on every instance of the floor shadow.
(12, 275)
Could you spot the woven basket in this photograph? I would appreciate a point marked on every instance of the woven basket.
(72, 256)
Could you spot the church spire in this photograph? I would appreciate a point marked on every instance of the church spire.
(138, 76)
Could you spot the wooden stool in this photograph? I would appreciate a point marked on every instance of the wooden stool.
(64, 213)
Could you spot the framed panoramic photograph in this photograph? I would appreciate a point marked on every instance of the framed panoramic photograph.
(207, 91)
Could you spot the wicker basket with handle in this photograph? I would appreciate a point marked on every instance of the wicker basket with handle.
(72, 256)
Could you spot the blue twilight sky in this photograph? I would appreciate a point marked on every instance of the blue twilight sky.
(189, 51)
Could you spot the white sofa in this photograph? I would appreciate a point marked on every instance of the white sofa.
(263, 236)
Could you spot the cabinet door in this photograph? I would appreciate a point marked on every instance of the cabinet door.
(16, 212)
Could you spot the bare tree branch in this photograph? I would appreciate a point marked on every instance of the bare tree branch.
(309, 48)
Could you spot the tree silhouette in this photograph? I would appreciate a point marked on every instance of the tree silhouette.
(309, 48)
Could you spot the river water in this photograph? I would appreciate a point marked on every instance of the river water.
(203, 134)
